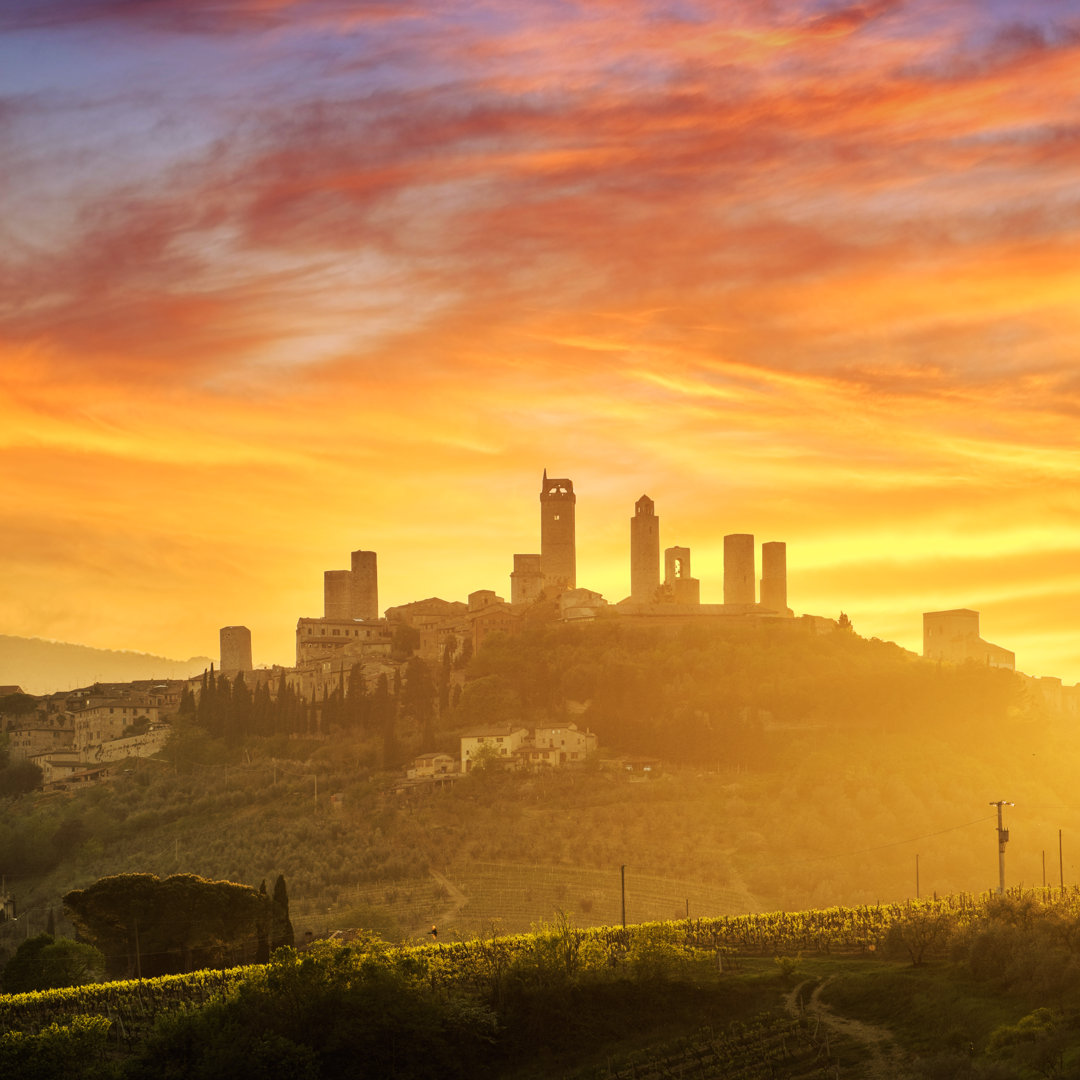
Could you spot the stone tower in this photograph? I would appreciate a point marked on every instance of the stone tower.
(681, 587)
(558, 550)
(774, 577)
(365, 585)
(739, 578)
(352, 594)
(527, 580)
(644, 552)
(235, 648)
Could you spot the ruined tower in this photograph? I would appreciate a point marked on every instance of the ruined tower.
(774, 576)
(739, 583)
(644, 552)
(235, 648)
(558, 553)
(679, 585)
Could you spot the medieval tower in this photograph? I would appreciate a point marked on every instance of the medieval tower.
(353, 594)
(774, 577)
(644, 552)
(740, 585)
(558, 553)
(235, 648)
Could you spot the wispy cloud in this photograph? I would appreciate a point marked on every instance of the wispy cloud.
(800, 269)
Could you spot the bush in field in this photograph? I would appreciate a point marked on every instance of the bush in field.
(358, 1011)
(919, 933)
(75, 1051)
(40, 963)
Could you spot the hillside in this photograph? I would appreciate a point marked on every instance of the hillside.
(41, 667)
(959, 988)
(802, 771)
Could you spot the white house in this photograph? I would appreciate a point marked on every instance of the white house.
(504, 739)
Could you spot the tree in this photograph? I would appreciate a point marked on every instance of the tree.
(281, 928)
(17, 704)
(405, 642)
(20, 779)
(45, 963)
(419, 699)
(145, 924)
(187, 702)
(238, 725)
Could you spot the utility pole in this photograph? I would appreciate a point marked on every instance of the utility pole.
(622, 871)
(1003, 839)
(916, 877)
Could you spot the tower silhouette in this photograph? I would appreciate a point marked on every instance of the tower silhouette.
(644, 552)
(558, 551)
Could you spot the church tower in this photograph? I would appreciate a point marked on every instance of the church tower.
(644, 552)
(558, 550)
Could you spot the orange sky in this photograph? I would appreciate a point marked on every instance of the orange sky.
(279, 280)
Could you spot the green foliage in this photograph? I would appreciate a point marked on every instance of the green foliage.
(490, 1005)
(145, 924)
(20, 779)
(42, 963)
(922, 930)
(17, 704)
(705, 692)
(73, 1050)
(358, 1012)
(490, 699)
(405, 641)
(281, 927)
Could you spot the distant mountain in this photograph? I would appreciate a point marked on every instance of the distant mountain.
(41, 667)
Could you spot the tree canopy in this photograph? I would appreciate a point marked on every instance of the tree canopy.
(148, 925)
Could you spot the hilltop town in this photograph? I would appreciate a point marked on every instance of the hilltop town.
(77, 736)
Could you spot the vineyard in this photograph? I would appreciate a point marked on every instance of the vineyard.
(483, 964)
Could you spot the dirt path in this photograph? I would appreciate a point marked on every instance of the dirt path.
(457, 898)
(884, 1060)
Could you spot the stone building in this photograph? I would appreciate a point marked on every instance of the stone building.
(953, 636)
(321, 639)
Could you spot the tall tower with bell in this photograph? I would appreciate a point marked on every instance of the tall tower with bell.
(558, 546)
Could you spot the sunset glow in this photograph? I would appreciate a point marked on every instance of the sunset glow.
(281, 280)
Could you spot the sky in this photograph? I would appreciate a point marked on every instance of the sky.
(281, 279)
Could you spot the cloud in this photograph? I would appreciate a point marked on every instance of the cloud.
(299, 278)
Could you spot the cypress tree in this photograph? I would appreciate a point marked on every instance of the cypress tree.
(262, 948)
(281, 928)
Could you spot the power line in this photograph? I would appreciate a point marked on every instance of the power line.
(893, 843)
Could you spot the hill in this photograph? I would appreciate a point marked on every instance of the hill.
(801, 771)
(42, 667)
(965, 989)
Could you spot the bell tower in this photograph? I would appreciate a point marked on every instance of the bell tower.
(558, 550)
(644, 552)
